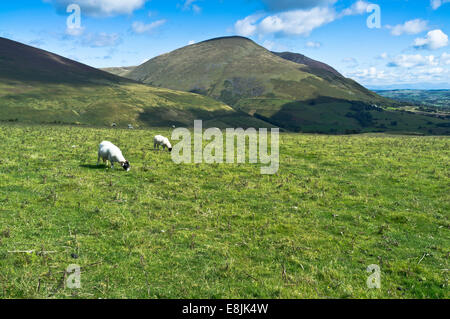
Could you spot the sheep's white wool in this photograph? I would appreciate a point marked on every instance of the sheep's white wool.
(163, 141)
(109, 152)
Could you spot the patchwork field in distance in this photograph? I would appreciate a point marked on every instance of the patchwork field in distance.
(337, 205)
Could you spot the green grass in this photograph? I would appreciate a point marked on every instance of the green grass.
(337, 205)
(106, 103)
(327, 116)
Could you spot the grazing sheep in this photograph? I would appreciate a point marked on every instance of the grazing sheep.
(163, 141)
(109, 152)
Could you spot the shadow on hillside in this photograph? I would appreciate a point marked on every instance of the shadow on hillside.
(93, 166)
(324, 115)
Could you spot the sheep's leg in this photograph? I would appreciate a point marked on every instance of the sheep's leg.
(111, 161)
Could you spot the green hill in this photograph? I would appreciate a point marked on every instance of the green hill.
(286, 89)
(120, 71)
(233, 69)
(37, 86)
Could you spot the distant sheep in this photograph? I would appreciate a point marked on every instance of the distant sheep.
(107, 151)
(163, 141)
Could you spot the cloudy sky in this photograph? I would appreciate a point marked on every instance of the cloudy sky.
(405, 45)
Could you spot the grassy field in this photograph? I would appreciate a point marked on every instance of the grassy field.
(435, 99)
(107, 103)
(337, 205)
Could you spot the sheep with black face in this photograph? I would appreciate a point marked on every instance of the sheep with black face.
(160, 140)
(109, 152)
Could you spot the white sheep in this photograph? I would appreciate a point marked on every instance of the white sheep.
(163, 141)
(107, 151)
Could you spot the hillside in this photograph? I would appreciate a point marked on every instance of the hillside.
(37, 86)
(233, 69)
(120, 71)
(302, 59)
(286, 89)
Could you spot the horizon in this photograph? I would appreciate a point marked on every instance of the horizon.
(404, 47)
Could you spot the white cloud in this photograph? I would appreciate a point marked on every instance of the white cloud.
(436, 4)
(140, 27)
(358, 7)
(196, 8)
(373, 76)
(434, 40)
(101, 7)
(98, 40)
(294, 22)
(190, 5)
(313, 44)
(268, 45)
(437, 70)
(191, 42)
(284, 5)
(75, 31)
(410, 27)
(413, 60)
(247, 26)
(273, 46)
(298, 22)
(445, 59)
(370, 73)
(406, 69)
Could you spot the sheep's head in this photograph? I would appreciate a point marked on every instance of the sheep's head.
(126, 165)
(170, 149)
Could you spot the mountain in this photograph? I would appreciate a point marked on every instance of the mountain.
(234, 69)
(37, 86)
(22, 62)
(120, 71)
(285, 89)
(302, 59)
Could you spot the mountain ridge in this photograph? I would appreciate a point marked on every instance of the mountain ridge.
(37, 86)
(229, 58)
(288, 90)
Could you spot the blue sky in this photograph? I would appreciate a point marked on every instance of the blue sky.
(411, 47)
